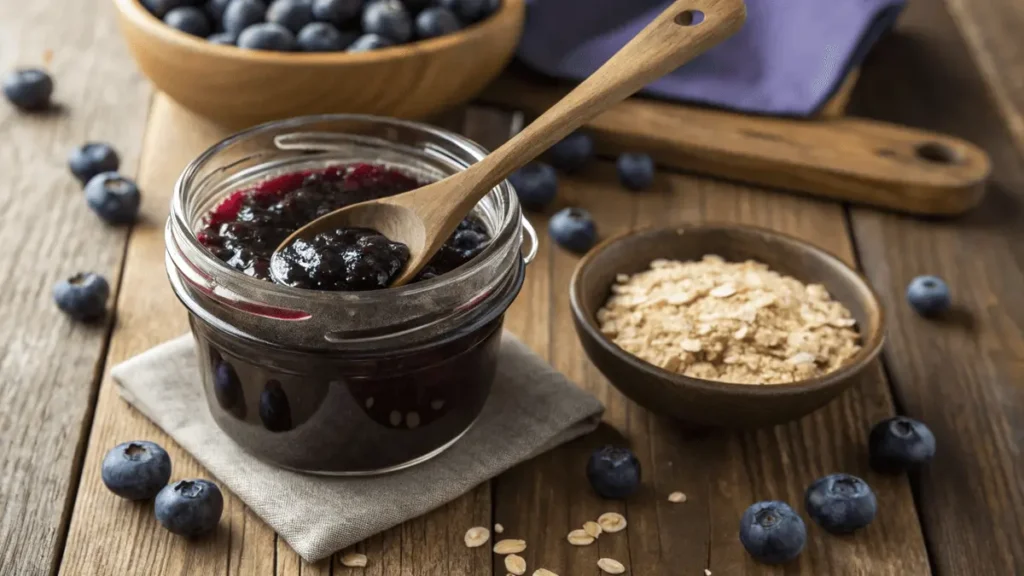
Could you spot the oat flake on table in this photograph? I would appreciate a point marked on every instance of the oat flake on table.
(733, 322)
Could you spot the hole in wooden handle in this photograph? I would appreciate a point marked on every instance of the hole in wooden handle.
(938, 153)
(689, 17)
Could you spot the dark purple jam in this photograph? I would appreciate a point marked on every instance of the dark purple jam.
(248, 225)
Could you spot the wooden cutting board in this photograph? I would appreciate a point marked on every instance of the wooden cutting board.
(834, 156)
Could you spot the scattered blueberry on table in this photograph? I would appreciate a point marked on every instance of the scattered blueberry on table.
(636, 171)
(573, 152)
(189, 507)
(267, 36)
(772, 532)
(28, 89)
(614, 472)
(92, 158)
(136, 470)
(83, 296)
(536, 185)
(841, 503)
(113, 197)
(573, 229)
(900, 444)
(928, 295)
(190, 20)
(340, 25)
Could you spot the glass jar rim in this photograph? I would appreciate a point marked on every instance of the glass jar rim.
(180, 218)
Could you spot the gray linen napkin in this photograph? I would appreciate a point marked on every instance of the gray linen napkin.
(532, 408)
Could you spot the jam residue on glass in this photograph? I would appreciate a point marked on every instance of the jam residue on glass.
(245, 228)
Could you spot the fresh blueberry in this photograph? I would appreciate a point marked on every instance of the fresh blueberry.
(275, 412)
(415, 6)
(222, 38)
(434, 22)
(292, 14)
(466, 10)
(573, 152)
(636, 171)
(573, 229)
(267, 36)
(92, 158)
(215, 9)
(113, 197)
(322, 37)
(337, 12)
(772, 532)
(368, 42)
(490, 7)
(389, 19)
(83, 296)
(241, 14)
(190, 20)
(136, 470)
(189, 507)
(160, 8)
(536, 185)
(928, 295)
(614, 472)
(28, 89)
(900, 444)
(841, 503)
(227, 387)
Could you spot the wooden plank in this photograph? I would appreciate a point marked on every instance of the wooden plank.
(108, 535)
(50, 364)
(992, 30)
(722, 473)
(963, 377)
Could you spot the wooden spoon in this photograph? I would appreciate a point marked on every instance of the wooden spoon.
(424, 218)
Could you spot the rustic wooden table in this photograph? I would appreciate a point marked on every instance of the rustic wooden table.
(956, 66)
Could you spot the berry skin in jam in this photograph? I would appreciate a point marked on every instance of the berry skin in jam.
(245, 228)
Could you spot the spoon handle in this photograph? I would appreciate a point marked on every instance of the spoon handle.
(684, 30)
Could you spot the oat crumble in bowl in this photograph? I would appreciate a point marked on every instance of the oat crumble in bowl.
(735, 322)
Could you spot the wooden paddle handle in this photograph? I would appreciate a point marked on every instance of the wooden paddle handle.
(684, 30)
(849, 159)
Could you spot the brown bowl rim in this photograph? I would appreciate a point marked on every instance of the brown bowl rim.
(870, 348)
(153, 26)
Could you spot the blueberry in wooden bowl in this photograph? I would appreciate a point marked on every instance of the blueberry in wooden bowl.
(720, 382)
(369, 74)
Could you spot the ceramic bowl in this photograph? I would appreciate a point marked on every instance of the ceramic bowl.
(239, 88)
(703, 402)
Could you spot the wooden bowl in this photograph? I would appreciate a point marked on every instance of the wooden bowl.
(704, 402)
(239, 88)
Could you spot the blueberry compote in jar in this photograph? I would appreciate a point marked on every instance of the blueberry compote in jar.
(332, 371)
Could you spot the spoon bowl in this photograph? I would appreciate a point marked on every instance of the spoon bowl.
(424, 218)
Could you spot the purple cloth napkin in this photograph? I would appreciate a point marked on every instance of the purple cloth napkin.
(789, 58)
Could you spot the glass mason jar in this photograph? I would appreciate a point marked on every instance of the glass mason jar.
(343, 383)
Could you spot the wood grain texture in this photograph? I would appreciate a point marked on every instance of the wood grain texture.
(721, 473)
(850, 159)
(49, 363)
(241, 88)
(964, 376)
(992, 29)
(113, 536)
